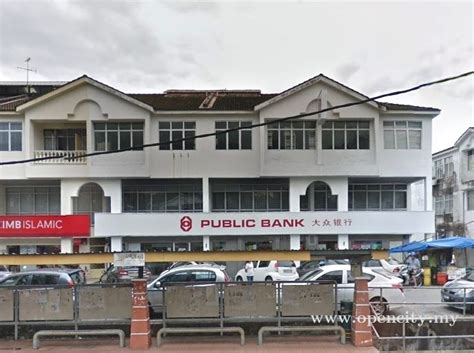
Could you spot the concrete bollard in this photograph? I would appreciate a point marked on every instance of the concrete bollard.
(140, 332)
(361, 331)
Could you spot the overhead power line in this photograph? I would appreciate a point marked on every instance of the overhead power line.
(272, 121)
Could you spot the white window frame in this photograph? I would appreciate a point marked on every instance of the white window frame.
(241, 124)
(289, 136)
(391, 126)
(331, 126)
(9, 130)
(470, 160)
(118, 130)
(190, 131)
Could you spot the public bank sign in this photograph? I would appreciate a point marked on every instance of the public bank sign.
(45, 226)
(262, 223)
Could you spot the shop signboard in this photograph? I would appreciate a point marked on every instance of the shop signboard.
(45, 226)
(129, 259)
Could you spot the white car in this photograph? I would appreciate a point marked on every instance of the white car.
(271, 271)
(392, 266)
(392, 290)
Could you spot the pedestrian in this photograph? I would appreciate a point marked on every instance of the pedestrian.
(249, 271)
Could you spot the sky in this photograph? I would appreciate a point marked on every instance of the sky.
(150, 46)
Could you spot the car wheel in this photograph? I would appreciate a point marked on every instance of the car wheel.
(268, 279)
(378, 306)
(239, 279)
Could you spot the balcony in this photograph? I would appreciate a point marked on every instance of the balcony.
(63, 157)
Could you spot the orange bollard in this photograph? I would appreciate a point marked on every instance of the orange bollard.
(140, 332)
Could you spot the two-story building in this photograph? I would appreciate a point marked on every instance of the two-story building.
(355, 177)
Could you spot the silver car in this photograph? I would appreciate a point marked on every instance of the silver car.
(452, 292)
(191, 273)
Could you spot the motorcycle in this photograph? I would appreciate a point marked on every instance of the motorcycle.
(416, 278)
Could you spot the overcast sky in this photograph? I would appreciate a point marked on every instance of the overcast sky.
(151, 46)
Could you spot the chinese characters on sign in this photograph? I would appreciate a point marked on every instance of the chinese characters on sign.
(332, 222)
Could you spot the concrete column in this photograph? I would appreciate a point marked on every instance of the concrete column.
(66, 245)
(361, 331)
(295, 242)
(206, 196)
(294, 207)
(206, 243)
(343, 241)
(116, 244)
(140, 331)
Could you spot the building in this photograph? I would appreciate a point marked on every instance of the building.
(453, 187)
(357, 177)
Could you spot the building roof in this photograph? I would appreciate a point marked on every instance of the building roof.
(465, 134)
(13, 95)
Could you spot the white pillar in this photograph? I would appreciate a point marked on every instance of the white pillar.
(295, 242)
(206, 203)
(206, 243)
(66, 245)
(116, 244)
(343, 241)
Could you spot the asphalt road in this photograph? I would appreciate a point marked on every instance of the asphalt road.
(425, 301)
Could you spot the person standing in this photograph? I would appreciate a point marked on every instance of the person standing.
(249, 272)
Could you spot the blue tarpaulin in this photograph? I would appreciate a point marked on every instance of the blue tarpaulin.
(445, 243)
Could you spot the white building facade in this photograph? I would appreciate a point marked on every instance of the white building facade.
(453, 187)
(356, 177)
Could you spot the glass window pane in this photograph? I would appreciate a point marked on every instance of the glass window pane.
(388, 124)
(164, 125)
(189, 125)
(387, 200)
(374, 200)
(415, 139)
(27, 201)
(310, 139)
(158, 201)
(245, 123)
(218, 199)
(130, 202)
(414, 124)
(351, 124)
(41, 203)
(272, 139)
(54, 202)
(364, 139)
(285, 139)
(172, 201)
(15, 126)
(327, 140)
(221, 141)
(339, 139)
(402, 142)
(144, 202)
(189, 144)
(320, 201)
(4, 141)
(400, 123)
(332, 203)
(232, 201)
(339, 124)
(360, 200)
(198, 201)
(298, 124)
(177, 135)
(274, 200)
(125, 126)
(186, 201)
(99, 126)
(351, 139)
(298, 139)
(260, 200)
(233, 140)
(389, 139)
(125, 139)
(246, 139)
(137, 139)
(246, 201)
(112, 126)
(401, 200)
(137, 126)
(112, 140)
(363, 125)
(177, 125)
(221, 125)
(15, 141)
(164, 137)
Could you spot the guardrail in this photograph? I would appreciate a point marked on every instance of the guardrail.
(65, 306)
(61, 157)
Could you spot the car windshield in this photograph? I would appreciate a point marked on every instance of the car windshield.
(470, 276)
(393, 262)
(285, 263)
(307, 276)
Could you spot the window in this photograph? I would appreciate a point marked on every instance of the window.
(443, 204)
(292, 135)
(176, 130)
(235, 140)
(250, 197)
(335, 276)
(448, 167)
(470, 200)
(439, 205)
(10, 136)
(44, 279)
(203, 276)
(64, 139)
(402, 135)
(114, 136)
(470, 160)
(33, 200)
(161, 196)
(439, 169)
(323, 200)
(177, 277)
(376, 197)
(90, 200)
(350, 279)
(346, 135)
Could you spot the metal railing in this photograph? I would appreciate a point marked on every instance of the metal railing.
(61, 305)
(63, 157)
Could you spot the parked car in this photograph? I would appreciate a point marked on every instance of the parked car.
(191, 273)
(271, 271)
(45, 277)
(392, 266)
(309, 266)
(116, 274)
(392, 290)
(4, 271)
(452, 292)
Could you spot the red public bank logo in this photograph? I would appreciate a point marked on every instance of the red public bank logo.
(186, 224)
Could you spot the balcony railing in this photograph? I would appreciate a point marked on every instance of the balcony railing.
(63, 157)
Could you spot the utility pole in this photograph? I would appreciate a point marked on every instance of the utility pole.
(28, 70)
